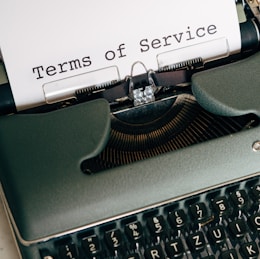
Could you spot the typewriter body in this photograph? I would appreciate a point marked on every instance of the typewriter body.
(163, 164)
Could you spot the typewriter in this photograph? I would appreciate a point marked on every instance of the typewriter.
(162, 164)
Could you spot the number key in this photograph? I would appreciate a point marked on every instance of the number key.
(91, 245)
(156, 225)
(221, 206)
(199, 212)
(134, 231)
(178, 219)
(114, 239)
(240, 199)
(68, 251)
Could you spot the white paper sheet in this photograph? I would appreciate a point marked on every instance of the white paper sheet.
(46, 41)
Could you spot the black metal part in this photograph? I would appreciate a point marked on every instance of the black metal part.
(7, 104)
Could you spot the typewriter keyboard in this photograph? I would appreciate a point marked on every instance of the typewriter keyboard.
(219, 223)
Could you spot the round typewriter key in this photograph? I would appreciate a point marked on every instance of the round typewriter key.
(156, 225)
(154, 252)
(134, 231)
(221, 206)
(68, 251)
(240, 199)
(91, 245)
(196, 242)
(216, 235)
(199, 212)
(174, 248)
(132, 256)
(114, 239)
(254, 222)
(178, 219)
(250, 250)
(238, 228)
(255, 193)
